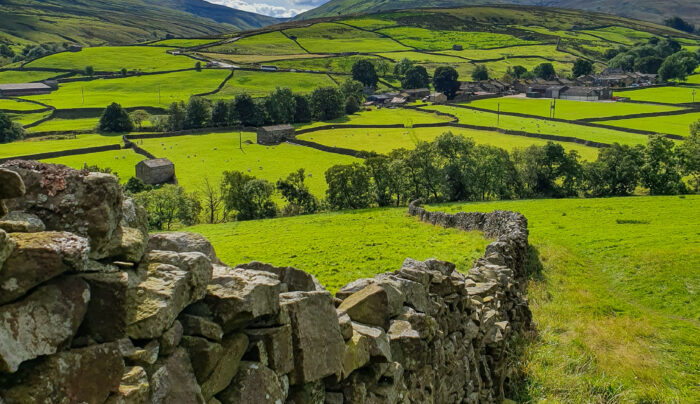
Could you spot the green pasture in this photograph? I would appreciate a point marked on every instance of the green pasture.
(369, 23)
(114, 58)
(209, 155)
(158, 90)
(385, 140)
(541, 126)
(626, 36)
(24, 76)
(54, 143)
(270, 43)
(498, 68)
(421, 57)
(547, 51)
(121, 162)
(28, 118)
(694, 79)
(341, 64)
(383, 116)
(339, 38)
(259, 84)
(668, 95)
(18, 105)
(673, 124)
(426, 39)
(567, 109)
(575, 35)
(184, 42)
(65, 125)
(344, 246)
(258, 59)
(616, 302)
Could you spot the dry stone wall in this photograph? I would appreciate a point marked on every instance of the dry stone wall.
(93, 309)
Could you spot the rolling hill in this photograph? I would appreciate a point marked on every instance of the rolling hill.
(650, 10)
(97, 22)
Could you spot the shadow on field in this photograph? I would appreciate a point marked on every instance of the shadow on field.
(534, 265)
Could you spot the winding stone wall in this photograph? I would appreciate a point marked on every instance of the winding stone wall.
(94, 310)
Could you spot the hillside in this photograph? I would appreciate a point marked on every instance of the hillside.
(118, 21)
(650, 10)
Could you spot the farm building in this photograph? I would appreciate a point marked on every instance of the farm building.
(578, 93)
(272, 135)
(415, 94)
(438, 98)
(22, 89)
(156, 171)
(457, 47)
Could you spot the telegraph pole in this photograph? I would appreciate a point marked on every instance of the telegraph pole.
(498, 116)
(82, 92)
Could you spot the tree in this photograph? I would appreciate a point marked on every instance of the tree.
(115, 119)
(382, 66)
(167, 205)
(363, 71)
(280, 106)
(9, 131)
(401, 68)
(354, 88)
(495, 175)
(139, 116)
(349, 187)
(246, 196)
(480, 73)
(300, 200)
(89, 71)
(616, 172)
(445, 81)
(135, 186)
(661, 169)
(545, 71)
(260, 116)
(244, 106)
(213, 201)
(220, 113)
(678, 66)
(6, 51)
(689, 155)
(416, 77)
(582, 67)
(679, 24)
(548, 171)
(176, 116)
(198, 66)
(518, 71)
(123, 71)
(352, 105)
(327, 103)
(648, 64)
(302, 112)
(197, 113)
(378, 167)
(456, 160)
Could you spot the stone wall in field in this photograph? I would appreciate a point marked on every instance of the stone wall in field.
(94, 309)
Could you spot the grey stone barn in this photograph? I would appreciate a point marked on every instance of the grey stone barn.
(272, 135)
(156, 171)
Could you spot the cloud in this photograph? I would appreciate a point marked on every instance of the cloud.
(289, 9)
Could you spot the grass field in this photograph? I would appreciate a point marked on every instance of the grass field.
(339, 38)
(114, 58)
(622, 35)
(576, 35)
(386, 140)
(210, 155)
(40, 145)
(340, 247)
(16, 105)
(674, 124)
(694, 79)
(616, 304)
(184, 43)
(549, 51)
(541, 126)
(668, 95)
(64, 125)
(259, 84)
(426, 39)
(26, 119)
(566, 109)
(341, 64)
(157, 90)
(370, 23)
(421, 57)
(257, 59)
(271, 43)
(14, 76)
(383, 116)
(122, 162)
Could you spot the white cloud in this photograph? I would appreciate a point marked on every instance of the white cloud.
(282, 8)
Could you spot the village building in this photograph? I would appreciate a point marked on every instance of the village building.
(437, 98)
(273, 135)
(156, 171)
(22, 89)
(457, 47)
(416, 94)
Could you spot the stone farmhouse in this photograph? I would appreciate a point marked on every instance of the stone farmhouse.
(156, 171)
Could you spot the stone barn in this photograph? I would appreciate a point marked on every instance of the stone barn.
(272, 135)
(156, 171)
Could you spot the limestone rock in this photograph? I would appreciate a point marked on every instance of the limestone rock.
(87, 204)
(200, 326)
(238, 296)
(379, 345)
(277, 342)
(11, 184)
(357, 353)
(373, 305)
(183, 242)
(334, 398)
(203, 354)
(295, 279)
(39, 257)
(353, 287)
(171, 339)
(133, 388)
(20, 222)
(234, 346)
(87, 375)
(407, 347)
(130, 244)
(39, 323)
(172, 380)
(173, 281)
(6, 247)
(144, 356)
(134, 216)
(105, 320)
(254, 383)
(318, 343)
(345, 324)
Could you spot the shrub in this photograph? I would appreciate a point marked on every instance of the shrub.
(115, 119)
(416, 77)
(364, 72)
(327, 103)
(246, 196)
(480, 73)
(445, 81)
(9, 131)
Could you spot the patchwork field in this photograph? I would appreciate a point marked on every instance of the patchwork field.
(549, 51)
(259, 84)
(339, 38)
(25, 76)
(668, 95)
(17, 105)
(114, 58)
(272, 43)
(40, 145)
(324, 64)
(383, 116)
(121, 162)
(184, 43)
(674, 124)
(64, 125)
(434, 40)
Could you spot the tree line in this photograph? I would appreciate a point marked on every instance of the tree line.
(665, 57)
(451, 168)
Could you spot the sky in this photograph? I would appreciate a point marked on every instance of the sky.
(275, 8)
